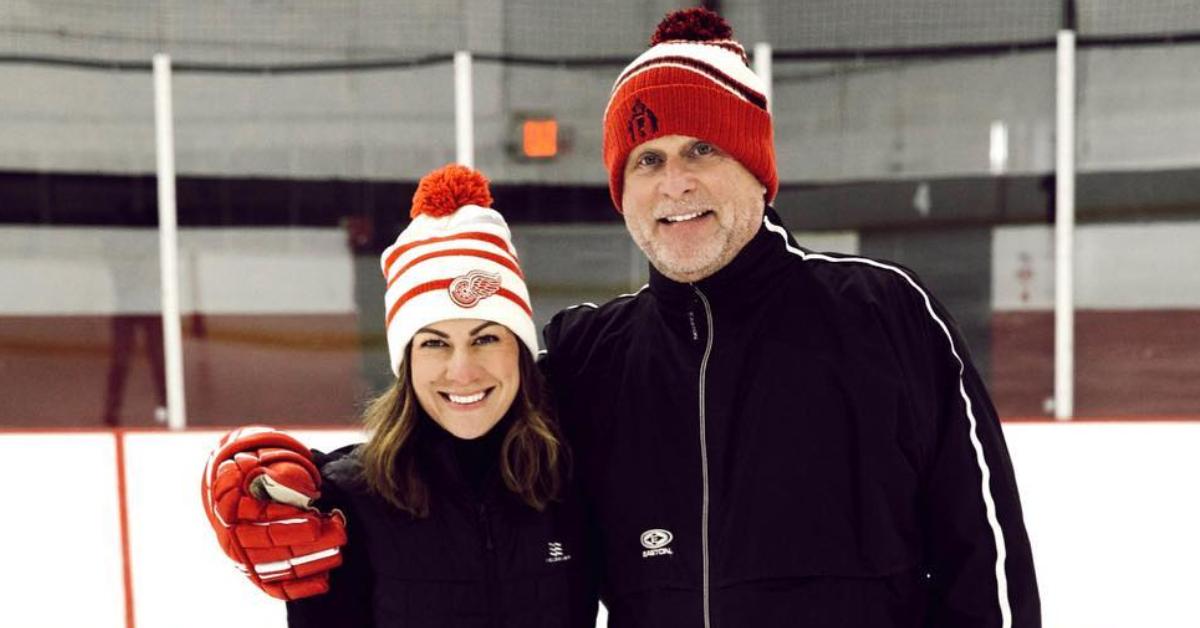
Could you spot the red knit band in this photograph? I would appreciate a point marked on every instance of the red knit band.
(675, 101)
(470, 235)
(499, 259)
(443, 284)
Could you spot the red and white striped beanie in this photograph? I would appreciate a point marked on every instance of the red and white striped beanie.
(454, 260)
(695, 80)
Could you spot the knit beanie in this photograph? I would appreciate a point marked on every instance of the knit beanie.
(454, 260)
(694, 80)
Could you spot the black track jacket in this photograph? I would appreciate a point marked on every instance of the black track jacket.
(798, 440)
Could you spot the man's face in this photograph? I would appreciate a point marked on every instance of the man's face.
(689, 206)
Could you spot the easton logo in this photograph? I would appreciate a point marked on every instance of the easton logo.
(656, 541)
(474, 287)
(556, 553)
(642, 122)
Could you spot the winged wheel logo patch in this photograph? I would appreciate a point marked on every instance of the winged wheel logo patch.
(474, 287)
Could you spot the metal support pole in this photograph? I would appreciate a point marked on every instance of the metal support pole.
(1064, 232)
(164, 132)
(762, 67)
(464, 115)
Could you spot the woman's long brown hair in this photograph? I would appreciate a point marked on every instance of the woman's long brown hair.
(532, 454)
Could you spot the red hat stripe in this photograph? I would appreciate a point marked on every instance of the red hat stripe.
(515, 298)
(442, 284)
(418, 290)
(499, 259)
(729, 82)
(470, 235)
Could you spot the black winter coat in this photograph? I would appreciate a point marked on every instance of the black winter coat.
(485, 560)
(798, 440)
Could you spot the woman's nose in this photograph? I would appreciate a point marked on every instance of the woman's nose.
(463, 367)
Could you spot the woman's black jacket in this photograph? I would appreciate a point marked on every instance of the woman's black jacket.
(481, 558)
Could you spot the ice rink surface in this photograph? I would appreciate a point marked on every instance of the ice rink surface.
(1110, 509)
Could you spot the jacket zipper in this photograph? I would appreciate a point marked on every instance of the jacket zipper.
(489, 550)
(704, 455)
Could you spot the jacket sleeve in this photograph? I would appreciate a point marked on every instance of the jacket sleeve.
(560, 336)
(348, 601)
(979, 560)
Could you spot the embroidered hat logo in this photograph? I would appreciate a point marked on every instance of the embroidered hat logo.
(474, 287)
(642, 122)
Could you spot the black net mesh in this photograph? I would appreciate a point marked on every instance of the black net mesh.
(231, 32)
(1148, 17)
(917, 130)
(869, 24)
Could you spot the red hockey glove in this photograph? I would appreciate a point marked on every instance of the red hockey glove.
(258, 490)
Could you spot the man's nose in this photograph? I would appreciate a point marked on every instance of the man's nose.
(678, 179)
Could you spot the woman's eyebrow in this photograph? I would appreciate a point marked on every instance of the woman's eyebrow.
(434, 332)
(485, 325)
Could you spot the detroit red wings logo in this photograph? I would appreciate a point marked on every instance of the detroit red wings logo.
(474, 287)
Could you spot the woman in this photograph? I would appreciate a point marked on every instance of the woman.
(455, 510)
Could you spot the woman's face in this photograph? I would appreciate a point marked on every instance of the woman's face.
(465, 373)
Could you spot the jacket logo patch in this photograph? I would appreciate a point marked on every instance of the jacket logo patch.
(556, 553)
(474, 287)
(642, 122)
(656, 541)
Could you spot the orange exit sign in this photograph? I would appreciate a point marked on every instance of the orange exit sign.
(539, 138)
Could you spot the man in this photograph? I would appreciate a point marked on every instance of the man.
(769, 436)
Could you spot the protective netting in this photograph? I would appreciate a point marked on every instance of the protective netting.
(272, 32)
(581, 27)
(231, 32)
(922, 131)
(868, 24)
(889, 119)
(1145, 17)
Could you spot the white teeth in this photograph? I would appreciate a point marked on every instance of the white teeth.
(465, 399)
(683, 217)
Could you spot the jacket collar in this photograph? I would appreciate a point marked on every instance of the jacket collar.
(467, 467)
(754, 270)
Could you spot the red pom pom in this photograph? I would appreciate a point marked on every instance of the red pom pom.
(443, 191)
(696, 24)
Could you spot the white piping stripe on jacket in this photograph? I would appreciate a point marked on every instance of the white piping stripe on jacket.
(593, 306)
(988, 501)
(589, 304)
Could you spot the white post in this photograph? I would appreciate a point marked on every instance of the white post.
(168, 254)
(762, 67)
(998, 148)
(1064, 232)
(464, 116)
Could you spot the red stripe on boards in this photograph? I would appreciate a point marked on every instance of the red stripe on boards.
(123, 512)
